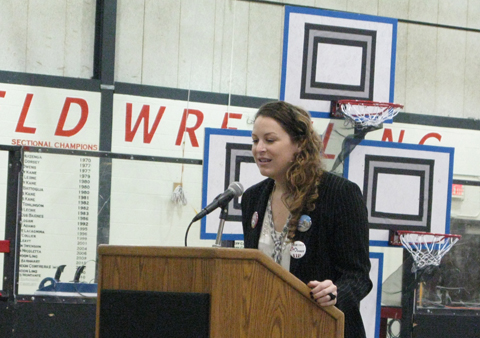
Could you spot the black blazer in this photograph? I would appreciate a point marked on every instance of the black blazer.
(337, 246)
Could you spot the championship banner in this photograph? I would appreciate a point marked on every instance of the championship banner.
(59, 202)
(168, 127)
(49, 117)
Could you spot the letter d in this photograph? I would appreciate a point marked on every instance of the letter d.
(63, 117)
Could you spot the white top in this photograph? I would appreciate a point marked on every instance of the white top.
(266, 244)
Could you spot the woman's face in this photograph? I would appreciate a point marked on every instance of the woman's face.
(272, 148)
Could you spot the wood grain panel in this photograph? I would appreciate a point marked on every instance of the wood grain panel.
(251, 296)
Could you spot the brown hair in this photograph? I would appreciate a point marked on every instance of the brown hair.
(304, 174)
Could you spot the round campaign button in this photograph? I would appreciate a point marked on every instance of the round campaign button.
(304, 223)
(298, 250)
(254, 221)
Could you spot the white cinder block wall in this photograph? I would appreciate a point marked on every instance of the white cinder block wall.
(235, 46)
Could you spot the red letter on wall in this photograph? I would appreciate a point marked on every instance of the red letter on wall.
(191, 131)
(144, 115)
(326, 138)
(231, 116)
(63, 117)
(430, 135)
(23, 116)
(387, 135)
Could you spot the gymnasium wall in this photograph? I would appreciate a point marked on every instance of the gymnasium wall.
(236, 46)
(222, 58)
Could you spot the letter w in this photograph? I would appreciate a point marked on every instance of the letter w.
(144, 115)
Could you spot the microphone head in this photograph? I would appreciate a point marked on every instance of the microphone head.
(237, 188)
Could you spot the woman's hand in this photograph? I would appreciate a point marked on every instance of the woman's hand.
(324, 293)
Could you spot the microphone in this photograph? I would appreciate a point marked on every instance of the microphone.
(235, 189)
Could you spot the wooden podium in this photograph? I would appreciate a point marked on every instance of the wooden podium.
(250, 295)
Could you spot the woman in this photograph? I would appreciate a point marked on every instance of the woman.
(310, 221)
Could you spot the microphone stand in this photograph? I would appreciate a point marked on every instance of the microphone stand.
(223, 216)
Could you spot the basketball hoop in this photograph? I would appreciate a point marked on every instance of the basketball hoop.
(427, 249)
(364, 114)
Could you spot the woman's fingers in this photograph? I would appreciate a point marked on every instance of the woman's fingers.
(324, 293)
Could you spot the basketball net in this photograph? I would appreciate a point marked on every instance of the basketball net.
(364, 114)
(427, 249)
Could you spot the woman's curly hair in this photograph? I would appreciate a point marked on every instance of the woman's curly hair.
(303, 176)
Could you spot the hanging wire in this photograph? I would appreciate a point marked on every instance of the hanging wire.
(178, 195)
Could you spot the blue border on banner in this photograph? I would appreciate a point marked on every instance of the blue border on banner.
(206, 160)
(343, 15)
(422, 147)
